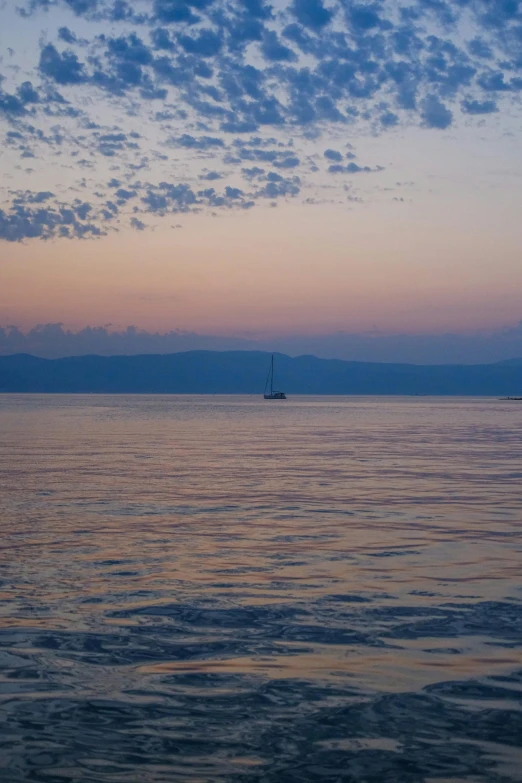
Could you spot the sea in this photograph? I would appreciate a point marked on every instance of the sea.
(222, 589)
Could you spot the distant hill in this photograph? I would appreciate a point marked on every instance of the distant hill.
(244, 372)
(511, 361)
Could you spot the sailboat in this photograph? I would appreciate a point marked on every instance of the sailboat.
(273, 395)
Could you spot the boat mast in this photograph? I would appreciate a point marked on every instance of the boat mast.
(272, 376)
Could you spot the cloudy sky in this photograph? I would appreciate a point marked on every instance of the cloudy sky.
(262, 170)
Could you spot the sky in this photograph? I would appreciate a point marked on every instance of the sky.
(343, 178)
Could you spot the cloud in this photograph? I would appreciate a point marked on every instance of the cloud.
(63, 68)
(21, 103)
(389, 119)
(352, 168)
(206, 44)
(36, 198)
(279, 158)
(54, 340)
(233, 193)
(290, 162)
(211, 175)
(277, 186)
(81, 7)
(304, 69)
(200, 143)
(363, 17)
(333, 155)
(11, 105)
(435, 114)
(66, 35)
(253, 173)
(496, 82)
(42, 215)
(125, 195)
(311, 13)
(274, 50)
(172, 11)
(23, 222)
(479, 107)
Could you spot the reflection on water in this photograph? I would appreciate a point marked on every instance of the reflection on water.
(224, 589)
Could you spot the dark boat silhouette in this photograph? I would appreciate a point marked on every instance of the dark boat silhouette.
(272, 395)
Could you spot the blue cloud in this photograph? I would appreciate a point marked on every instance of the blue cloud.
(28, 197)
(389, 119)
(206, 43)
(211, 175)
(124, 195)
(63, 68)
(81, 7)
(113, 144)
(496, 82)
(435, 114)
(161, 39)
(290, 162)
(11, 105)
(351, 168)
(170, 11)
(200, 143)
(333, 155)
(311, 13)
(233, 192)
(137, 224)
(279, 187)
(129, 49)
(167, 197)
(22, 222)
(480, 48)
(479, 107)
(66, 35)
(252, 173)
(303, 68)
(363, 17)
(273, 50)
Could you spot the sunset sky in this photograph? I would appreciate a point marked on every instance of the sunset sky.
(261, 170)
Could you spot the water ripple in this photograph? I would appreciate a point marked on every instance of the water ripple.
(217, 590)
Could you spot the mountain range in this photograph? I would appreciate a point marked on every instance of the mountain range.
(244, 372)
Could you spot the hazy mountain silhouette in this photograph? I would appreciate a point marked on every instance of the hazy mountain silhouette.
(55, 341)
(244, 372)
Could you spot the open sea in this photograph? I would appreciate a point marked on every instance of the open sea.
(227, 590)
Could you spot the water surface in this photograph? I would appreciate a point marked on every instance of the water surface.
(221, 589)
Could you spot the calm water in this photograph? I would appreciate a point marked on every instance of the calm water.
(226, 589)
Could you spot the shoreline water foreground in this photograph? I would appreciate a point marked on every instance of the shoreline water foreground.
(212, 589)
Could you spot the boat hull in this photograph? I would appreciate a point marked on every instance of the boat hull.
(275, 396)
